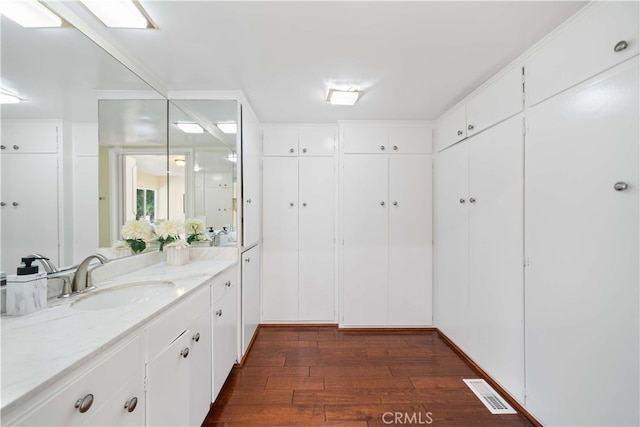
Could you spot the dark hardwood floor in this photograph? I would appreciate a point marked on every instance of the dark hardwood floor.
(322, 376)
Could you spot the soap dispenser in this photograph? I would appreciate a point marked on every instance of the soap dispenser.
(26, 290)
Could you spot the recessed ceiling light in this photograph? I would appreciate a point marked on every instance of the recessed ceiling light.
(180, 162)
(342, 97)
(189, 127)
(228, 127)
(30, 14)
(119, 13)
(8, 98)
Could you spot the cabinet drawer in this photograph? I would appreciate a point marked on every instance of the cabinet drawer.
(583, 50)
(30, 138)
(173, 323)
(410, 140)
(102, 381)
(280, 142)
(366, 139)
(222, 285)
(116, 411)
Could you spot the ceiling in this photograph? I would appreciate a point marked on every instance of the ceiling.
(414, 60)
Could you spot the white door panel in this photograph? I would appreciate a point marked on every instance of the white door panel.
(280, 141)
(317, 141)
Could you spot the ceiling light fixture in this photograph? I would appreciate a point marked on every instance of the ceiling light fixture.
(30, 14)
(232, 157)
(180, 162)
(189, 127)
(228, 127)
(343, 97)
(119, 13)
(8, 98)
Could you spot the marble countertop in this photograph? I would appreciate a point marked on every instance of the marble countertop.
(42, 347)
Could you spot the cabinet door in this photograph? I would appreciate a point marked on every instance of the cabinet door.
(30, 137)
(365, 139)
(410, 249)
(168, 385)
(200, 369)
(251, 184)
(225, 328)
(280, 141)
(582, 325)
(452, 235)
(496, 329)
(125, 408)
(407, 140)
(316, 239)
(498, 101)
(280, 242)
(317, 141)
(250, 294)
(365, 240)
(451, 129)
(30, 214)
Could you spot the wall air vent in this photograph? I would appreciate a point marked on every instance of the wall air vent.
(488, 396)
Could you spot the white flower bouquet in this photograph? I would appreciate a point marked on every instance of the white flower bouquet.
(195, 231)
(169, 231)
(136, 233)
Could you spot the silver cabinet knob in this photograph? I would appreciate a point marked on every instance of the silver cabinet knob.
(130, 405)
(395, 148)
(15, 204)
(304, 150)
(620, 186)
(304, 204)
(247, 260)
(16, 147)
(382, 203)
(219, 313)
(3, 204)
(228, 283)
(291, 204)
(620, 46)
(84, 404)
(291, 150)
(196, 337)
(470, 127)
(462, 201)
(472, 200)
(382, 148)
(185, 352)
(3, 147)
(459, 132)
(395, 203)
(248, 201)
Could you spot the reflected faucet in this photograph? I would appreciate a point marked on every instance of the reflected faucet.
(47, 265)
(82, 279)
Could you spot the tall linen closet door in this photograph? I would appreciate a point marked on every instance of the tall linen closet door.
(582, 298)
(452, 228)
(410, 249)
(365, 253)
(280, 239)
(496, 325)
(316, 238)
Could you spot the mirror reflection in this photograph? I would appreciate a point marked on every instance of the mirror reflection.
(202, 144)
(50, 148)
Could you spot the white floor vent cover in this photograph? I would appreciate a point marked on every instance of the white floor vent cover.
(487, 395)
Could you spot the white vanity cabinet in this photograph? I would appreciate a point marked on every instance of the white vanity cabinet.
(251, 294)
(379, 138)
(224, 312)
(294, 141)
(97, 396)
(200, 369)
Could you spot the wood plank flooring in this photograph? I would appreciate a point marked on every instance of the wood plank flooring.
(322, 376)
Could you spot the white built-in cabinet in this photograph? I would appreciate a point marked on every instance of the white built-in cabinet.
(479, 238)
(224, 312)
(386, 227)
(30, 197)
(251, 278)
(500, 100)
(251, 180)
(298, 223)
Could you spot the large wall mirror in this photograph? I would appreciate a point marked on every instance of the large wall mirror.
(202, 165)
(51, 151)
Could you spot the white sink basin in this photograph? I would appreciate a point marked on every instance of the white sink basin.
(126, 294)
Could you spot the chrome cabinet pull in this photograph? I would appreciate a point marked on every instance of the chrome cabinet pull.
(472, 200)
(395, 203)
(3, 204)
(248, 201)
(196, 337)
(291, 204)
(219, 313)
(304, 150)
(395, 148)
(459, 132)
(291, 150)
(228, 284)
(84, 404)
(620, 46)
(620, 186)
(304, 204)
(130, 405)
(185, 352)
(382, 148)
(247, 260)
(382, 203)
(16, 147)
(462, 201)
(3, 147)
(15, 204)
(470, 127)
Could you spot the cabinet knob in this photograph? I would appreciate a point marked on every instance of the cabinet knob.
(472, 200)
(459, 132)
(304, 150)
(382, 148)
(219, 313)
(3, 204)
(3, 147)
(462, 201)
(291, 204)
(247, 260)
(382, 203)
(304, 204)
(196, 337)
(248, 201)
(395, 203)
(291, 150)
(15, 204)
(620, 186)
(185, 352)
(620, 46)
(395, 148)
(16, 147)
(84, 404)
(470, 127)
(130, 405)
(228, 284)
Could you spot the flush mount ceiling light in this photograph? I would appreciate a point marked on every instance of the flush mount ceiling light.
(9, 98)
(228, 127)
(30, 14)
(342, 97)
(180, 162)
(189, 127)
(119, 13)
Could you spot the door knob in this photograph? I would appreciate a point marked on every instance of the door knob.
(620, 186)
(620, 46)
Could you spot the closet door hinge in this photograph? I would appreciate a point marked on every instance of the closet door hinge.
(144, 384)
(523, 84)
(525, 262)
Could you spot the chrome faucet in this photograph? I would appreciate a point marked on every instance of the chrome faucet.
(82, 279)
(47, 265)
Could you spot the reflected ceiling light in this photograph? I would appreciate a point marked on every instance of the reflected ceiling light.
(232, 157)
(342, 97)
(180, 162)
(8, 98)
(196, 168)
(119, 13)
(189, 127)
(30, 14)
(228, 127)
